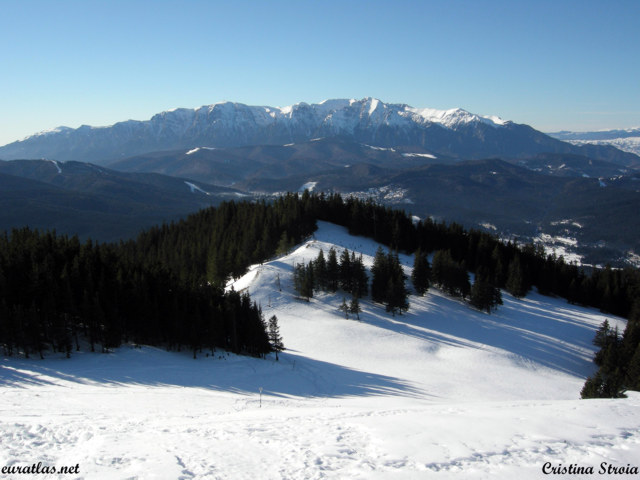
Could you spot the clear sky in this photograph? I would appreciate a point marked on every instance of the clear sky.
(552, 64)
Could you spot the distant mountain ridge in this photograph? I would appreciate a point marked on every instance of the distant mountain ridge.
(627, 140)
(453, 133)
(96, 202)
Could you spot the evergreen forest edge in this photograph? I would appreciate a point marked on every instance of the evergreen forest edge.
(166, 287)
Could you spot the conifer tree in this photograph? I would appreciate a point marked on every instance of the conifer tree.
(344, 308)
(275, 339)
(320, 271)
(516, 283)
(421, 272)
(633, 370)
(484, 295)
(354, 307)
(303, 280)
(452, 276)
(360, 281)
(345, 271)
(380, 276)
(397, 295)
(333, 270)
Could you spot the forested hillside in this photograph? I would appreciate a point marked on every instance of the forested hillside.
(167, 286)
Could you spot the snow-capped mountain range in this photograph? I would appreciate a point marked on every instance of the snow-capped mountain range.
(455, 133)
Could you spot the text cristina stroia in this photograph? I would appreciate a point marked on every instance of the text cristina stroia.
(575, 469)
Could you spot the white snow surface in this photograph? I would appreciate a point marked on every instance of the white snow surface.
(424, 155)
(197, 149)
(308, 186)
(194, 188)
(57, 165)
(442, 391)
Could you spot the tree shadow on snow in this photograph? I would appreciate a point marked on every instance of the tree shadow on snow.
(292, 375)
(537, 329)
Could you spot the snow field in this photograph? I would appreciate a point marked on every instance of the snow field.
(443, 391)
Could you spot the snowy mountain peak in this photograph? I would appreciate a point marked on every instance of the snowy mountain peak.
(454, 117)
(51, 131)
(339, 108)
(231, 124)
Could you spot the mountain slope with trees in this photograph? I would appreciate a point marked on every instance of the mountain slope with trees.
(166, 286)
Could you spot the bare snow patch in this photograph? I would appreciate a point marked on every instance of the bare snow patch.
(573, 223)
(388, 193)
(308, 186)
(194, 188)
(560, 247)
(385, 149)
(197, 149)
(423, 155)
(57, 165)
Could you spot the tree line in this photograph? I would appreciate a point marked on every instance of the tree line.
(56, 293)
(350, 275)
(166, 287)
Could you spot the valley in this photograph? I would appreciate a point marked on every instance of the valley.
(449, 165)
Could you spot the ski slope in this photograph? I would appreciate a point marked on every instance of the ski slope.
(443, 391)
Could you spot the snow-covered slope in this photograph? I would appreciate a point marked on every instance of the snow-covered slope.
(443, 391)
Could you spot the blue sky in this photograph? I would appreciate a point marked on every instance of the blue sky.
(560, 64)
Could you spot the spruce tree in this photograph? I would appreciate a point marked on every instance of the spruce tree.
(421, 273)
(333, 270)
(344, 308)
(360, 281)
(396, 298)
(484, 295)
(516, 283)
(320, 271)
(275, 340)
(345, 271)
(354, 307)
(380, 276)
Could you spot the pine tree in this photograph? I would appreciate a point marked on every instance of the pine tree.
(421, 273)
(516, 284)
(380, 276)
(333, 270)
(360, 281)
(298, 277)
(320, 271)
(633, 370)
(345, 271)
(275, 339)
(344, 308)
(354, 307)
(484, 295)
(604, 335)
(450, 275)
(396, 300)
(284, 245)
(397, 296)
(303, 280)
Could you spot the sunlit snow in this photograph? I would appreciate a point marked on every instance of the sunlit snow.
(194, 188)
(443, 391)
